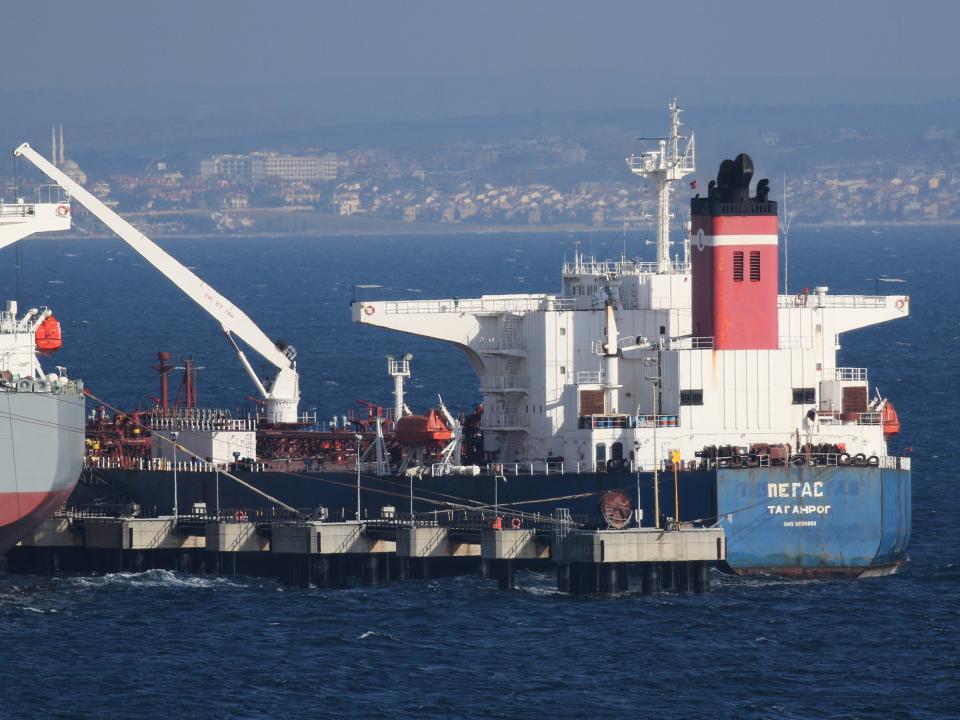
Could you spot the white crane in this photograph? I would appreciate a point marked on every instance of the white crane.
(282, 393)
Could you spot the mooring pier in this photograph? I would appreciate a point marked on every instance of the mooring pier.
(332, 554)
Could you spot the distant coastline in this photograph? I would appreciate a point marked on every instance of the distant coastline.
(379, 228)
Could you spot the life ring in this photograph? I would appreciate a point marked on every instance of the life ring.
(516, 523)
(63, 210)
(240, 515)
(900, 303)
(369, 310)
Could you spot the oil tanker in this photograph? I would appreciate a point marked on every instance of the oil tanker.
(42, 414)
(685, 390)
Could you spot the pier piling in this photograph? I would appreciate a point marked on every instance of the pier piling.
(333, 554)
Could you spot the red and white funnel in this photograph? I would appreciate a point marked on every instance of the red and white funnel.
(734, 261)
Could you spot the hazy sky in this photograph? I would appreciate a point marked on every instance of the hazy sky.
(383, 59)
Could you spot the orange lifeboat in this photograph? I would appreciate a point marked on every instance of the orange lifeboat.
(422, 430)
(889, 419)
(48, 336)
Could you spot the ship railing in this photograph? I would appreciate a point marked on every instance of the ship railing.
(205, 421)
(535, 467)
(17, 210)
(618, 267)
(591, 377)
(503, 420)
(478, 306)
(764, 460)
(692, 343)
(831, 301)
(493, 344)
(11, 325)
(476, 520)
(869, 418)
(619, 422)
(649, 421)
(94, 510)
(100, 462)
(851, 374)
(504, 382)
(52, 194)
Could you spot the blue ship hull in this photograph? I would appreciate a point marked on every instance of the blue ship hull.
(819, 521)
(816, 521)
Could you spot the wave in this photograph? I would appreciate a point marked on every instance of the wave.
(151, 578)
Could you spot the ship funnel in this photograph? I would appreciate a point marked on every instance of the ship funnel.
(734, 265)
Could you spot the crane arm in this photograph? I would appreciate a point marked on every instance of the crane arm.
(285, 387)
(232, 318)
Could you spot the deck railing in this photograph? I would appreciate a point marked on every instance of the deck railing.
(504, 382)
(478, 306)
(831, 301)
(851, 374)
(618, 267)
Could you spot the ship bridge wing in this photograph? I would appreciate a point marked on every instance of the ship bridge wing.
(479, 326)
(801, 315)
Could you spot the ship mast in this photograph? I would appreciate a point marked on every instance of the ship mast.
(665, 165)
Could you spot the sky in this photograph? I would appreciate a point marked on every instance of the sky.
(385, 60)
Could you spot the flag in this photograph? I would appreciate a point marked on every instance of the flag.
(693, 184)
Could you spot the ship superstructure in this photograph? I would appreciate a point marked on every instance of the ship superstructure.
(41, 413)
(692, 363)
(698, 353)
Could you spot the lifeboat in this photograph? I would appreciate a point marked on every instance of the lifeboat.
(889, 419)
(48, 336)
(422, 430)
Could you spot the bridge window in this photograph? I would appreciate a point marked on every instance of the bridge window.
(804, 396)
(691, 397)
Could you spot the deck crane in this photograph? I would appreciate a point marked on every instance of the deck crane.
(282, 393)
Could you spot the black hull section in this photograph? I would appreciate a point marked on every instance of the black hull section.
(823, 522)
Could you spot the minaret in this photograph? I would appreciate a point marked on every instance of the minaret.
(53, 144)
(61, 146)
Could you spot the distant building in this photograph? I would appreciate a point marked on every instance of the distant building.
(69, 167)
(227, 167)
(258, 167)
(303, 168)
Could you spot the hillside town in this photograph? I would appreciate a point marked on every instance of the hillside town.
(531, 182)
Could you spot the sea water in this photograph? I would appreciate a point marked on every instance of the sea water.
(159, 644)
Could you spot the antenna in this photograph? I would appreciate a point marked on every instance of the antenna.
(785, 218)
(665, 165)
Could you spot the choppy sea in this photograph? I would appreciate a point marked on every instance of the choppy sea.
(163, 645)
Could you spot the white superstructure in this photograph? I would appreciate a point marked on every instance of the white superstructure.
(598, 370)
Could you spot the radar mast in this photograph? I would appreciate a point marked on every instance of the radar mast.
(665, 165)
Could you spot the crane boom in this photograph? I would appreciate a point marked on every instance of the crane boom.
(282, 394)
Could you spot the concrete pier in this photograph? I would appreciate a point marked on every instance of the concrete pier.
(332, 554)
(600, 561)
